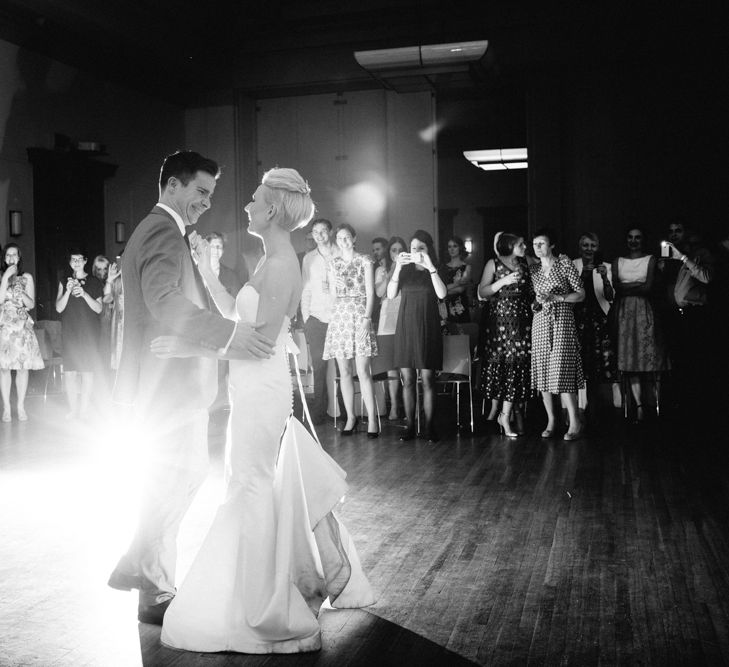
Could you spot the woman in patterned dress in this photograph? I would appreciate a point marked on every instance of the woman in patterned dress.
(456, 275)
(506, 374)
(19, 349)
(418, 338)
(350, 334)
(556, 365)
(641, 348)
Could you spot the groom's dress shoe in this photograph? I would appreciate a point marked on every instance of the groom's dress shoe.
(124, 582)
(153, 613)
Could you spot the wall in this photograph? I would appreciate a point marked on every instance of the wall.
(40, 97)
(472, 202)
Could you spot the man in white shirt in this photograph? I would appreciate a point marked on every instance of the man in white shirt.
(316, 308)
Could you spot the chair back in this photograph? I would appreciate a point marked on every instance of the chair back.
(385, 359)
(54, 335)
(457, 355)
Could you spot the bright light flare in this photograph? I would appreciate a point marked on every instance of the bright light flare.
(365, 202)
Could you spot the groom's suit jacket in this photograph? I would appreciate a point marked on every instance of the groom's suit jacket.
(164, 295)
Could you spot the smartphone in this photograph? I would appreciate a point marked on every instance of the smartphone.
(665, 249)
(418, 257)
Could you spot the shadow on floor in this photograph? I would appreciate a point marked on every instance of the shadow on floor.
(350, 638)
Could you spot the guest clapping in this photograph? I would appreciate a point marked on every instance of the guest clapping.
(19, 350)
(79, 302)
(556, 365)
(350, 334)
(418, 338)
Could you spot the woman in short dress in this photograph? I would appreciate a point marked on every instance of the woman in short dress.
(350, 334)
(641, 347)
(506, 374)
(19, 350)
(388, 314)
(418, 338)
(79, 303)
(556, 365)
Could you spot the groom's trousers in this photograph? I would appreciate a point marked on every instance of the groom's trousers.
(176, 464)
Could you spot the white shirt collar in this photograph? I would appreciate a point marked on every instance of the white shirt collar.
(175, 216)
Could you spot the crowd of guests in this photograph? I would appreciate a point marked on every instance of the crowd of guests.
(548, 325)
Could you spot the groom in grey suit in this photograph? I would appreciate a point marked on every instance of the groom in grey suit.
(164, 295)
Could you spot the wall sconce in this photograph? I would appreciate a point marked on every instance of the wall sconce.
(120, 232)
(468, 245)
(15, 220)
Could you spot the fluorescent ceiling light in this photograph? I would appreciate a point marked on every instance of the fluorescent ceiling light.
(422, 56)
(499, 158)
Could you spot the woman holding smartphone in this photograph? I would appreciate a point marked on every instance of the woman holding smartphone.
(418, 339)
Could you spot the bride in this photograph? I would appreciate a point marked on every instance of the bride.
(275, 550)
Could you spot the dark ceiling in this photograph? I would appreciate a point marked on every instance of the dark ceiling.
(183, 50)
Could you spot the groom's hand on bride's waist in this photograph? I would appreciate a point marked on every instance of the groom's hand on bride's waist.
(249, 343)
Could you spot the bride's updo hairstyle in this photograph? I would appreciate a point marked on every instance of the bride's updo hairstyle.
(291, 193)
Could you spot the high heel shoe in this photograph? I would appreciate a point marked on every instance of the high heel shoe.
(407, 434)
(372, 435)
(22, 415)
(505, 426)
(349, 431)
(6, 416)
(548, 432)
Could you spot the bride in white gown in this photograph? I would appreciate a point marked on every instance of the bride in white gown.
(275, 549)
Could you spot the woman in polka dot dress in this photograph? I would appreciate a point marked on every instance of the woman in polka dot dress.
(556, 365)
(350, 334)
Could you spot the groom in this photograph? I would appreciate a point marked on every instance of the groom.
(164, 295)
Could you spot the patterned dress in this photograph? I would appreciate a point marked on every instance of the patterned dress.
(343, 340)
(641, 348)
(456, 304)
(597, 352)
(556, 365)
(18, 343)
(506, 374)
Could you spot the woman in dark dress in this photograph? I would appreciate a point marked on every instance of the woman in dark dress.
(506, 374)
(79, 302)
(418, 338)
(456, 275)
(597, 350)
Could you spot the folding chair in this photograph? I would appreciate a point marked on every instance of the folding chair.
(52, 352)
(457, 370)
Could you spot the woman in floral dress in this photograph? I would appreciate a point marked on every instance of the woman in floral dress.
(19, 350)
(556, 365)
(506, 374)
(350, 334)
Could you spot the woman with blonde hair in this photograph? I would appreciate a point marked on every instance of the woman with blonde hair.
(275, 550)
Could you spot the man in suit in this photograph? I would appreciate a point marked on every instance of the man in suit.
(164, 295)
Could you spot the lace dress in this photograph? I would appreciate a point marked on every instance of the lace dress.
(18, 343)
(507, 364)
(275, 549)
(343, 340)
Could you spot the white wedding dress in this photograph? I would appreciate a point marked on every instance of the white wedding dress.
(275, 550)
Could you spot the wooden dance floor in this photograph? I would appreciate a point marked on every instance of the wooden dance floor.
(482, 551)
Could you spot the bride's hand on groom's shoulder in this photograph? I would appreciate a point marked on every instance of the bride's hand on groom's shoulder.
(249, 343)
(201, 251)
(166, 347)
